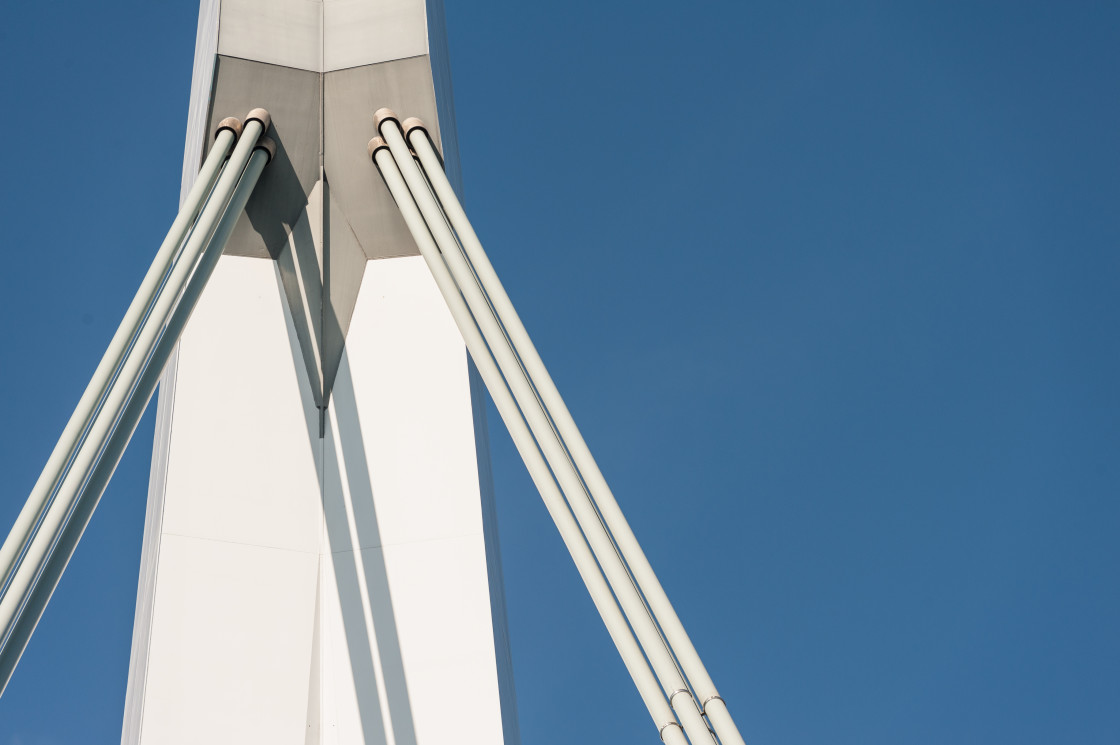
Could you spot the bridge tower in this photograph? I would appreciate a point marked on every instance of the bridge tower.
(320, 560)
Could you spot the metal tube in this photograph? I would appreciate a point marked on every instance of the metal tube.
(21, 532)
(612, 515)
(644, 681)
(570, 483)
(91, 495)
(142, 355)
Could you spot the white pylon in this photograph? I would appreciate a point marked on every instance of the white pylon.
(319, 562)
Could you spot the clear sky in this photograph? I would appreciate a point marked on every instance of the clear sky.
(831, 288)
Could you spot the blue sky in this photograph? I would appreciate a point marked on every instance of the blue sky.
(832, 291)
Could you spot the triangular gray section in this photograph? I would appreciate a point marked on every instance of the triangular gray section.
(321, 268)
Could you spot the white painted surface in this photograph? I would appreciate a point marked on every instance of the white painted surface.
(282, 32)
(401, 485)
(229, 636)
(389, 375)
(337, 584)
(231, 644)
(360, 32)
(241, 461)
(323, 35)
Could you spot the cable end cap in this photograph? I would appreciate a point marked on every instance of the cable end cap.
(384, 115)
(268, 145)
(374, 145)
(232, 123)
(260, 115)
(413, 123)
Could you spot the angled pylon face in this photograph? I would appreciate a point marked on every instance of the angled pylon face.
(320, 558)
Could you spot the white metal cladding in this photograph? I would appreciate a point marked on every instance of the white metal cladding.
(320, 561)
(324, 35)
